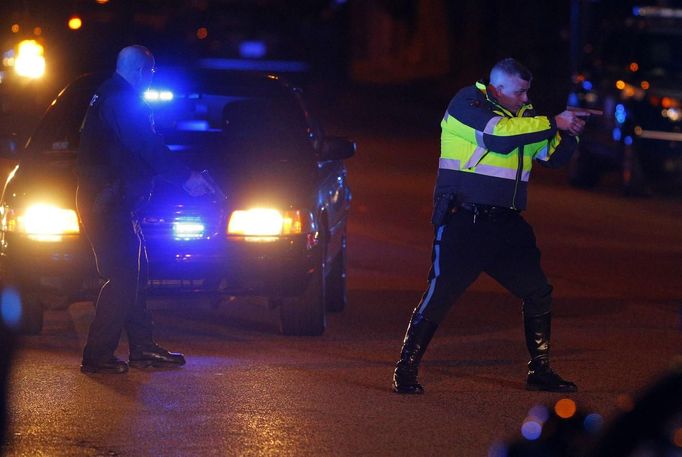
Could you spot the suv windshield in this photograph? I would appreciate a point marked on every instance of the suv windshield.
(218, 125)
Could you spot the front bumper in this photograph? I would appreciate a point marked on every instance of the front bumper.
(281, 267)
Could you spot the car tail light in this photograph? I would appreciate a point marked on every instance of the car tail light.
(42, 222)
(267, 224)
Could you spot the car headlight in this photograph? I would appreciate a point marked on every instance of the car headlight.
(266, 224)
(42, 222)
(30, 60)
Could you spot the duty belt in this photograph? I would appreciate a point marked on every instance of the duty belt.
(490, 211)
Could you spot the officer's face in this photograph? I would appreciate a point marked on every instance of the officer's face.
(512, 92)
(146, 75)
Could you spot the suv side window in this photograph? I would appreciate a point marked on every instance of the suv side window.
(59, 131)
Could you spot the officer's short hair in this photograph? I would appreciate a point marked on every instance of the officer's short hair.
(511, 67)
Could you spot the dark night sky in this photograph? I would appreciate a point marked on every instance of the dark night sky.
(479, 32)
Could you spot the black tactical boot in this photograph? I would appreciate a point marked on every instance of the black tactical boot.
(540, 375)
(417, 338)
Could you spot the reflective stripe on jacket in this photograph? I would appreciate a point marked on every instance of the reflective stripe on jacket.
(487, 152)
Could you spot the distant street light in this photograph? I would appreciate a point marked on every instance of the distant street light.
(75, 23)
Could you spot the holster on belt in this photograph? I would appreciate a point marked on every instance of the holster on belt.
(443, 205)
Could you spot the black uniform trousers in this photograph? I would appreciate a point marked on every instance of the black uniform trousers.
(501, 244)
(121, 256)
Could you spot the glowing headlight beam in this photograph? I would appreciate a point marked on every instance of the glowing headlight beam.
(256, 222)
(48, 223)
(267, 222)
(30, 61)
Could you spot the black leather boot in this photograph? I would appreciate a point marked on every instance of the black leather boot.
(540, 375)
(417, 337)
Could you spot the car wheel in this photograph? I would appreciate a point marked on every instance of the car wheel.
(305, 315)
(31, 322)
(336, 295)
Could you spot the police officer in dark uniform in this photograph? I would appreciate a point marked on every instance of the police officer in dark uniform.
(490, 138)
(120, 155)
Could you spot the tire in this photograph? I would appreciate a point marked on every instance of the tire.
(31, 322)
(305, 315)
(336, 290)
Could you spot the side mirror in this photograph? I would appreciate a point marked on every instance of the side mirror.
(335, 148)
(8, 147)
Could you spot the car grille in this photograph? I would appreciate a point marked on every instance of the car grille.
(183, 223)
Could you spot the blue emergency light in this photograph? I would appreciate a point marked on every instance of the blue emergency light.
(153, 95)
(188, 228)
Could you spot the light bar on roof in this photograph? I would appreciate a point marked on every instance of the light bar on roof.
(153, 95)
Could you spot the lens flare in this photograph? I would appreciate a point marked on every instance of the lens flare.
(10, 307)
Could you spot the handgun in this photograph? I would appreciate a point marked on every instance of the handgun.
(584, 111)
(215, 188)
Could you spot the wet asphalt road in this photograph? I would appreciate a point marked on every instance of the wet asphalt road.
(246, 390)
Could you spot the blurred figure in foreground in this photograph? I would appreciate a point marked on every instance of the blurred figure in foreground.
(10, 319)
(649, 425)
(6, 350)
(490, 137)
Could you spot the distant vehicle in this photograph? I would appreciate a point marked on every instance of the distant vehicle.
(634, 75)
(281, 232)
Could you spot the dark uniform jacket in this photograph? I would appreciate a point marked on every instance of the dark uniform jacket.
(120, 152)
(487, 152)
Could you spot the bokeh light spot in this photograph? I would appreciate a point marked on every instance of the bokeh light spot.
(15, 28)
(539, 413)
(531, 430)
(565, 408)
(202, 33)
(75, 23)
(10, 307)
(593, 423)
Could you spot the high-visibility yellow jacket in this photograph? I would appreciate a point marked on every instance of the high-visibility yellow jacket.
(487, 152)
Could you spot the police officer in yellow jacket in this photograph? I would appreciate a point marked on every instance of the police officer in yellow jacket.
(490, 138)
